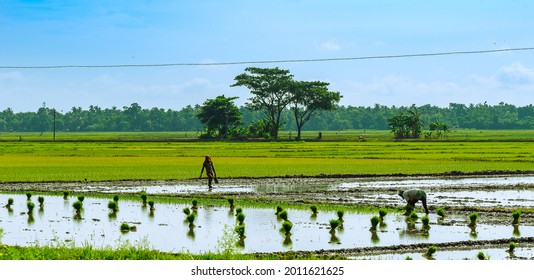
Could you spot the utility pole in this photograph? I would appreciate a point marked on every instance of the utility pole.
(54, 124)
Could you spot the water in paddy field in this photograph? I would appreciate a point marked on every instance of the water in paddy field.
(500, 253)
(310, 184)
(167, 231)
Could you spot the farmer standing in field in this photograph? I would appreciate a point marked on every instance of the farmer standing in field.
(412, 196)
(210, 170)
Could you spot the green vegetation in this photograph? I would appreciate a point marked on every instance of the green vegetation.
(40, 199)
(65, 194)
(375, 220)
(103, 161)
(77, 205)
(125, 227)
(194, 203)
(414, 216)
(430, 251)
(511, 246)
(334, 223)
(30, 206)
(141, 251)
(440, 212)
(29, 196)
(313, 208)
(143, 198)
(473, 219)
(279, 209)
(116, 198)
(240, 230)
(286, 227)
(191, 219)
(113, 206)
(240, 218)
(516, 215)
(231, 202)
(151, 204)
(426, 222)
(340, 213)
(481, 256)
(283, 215)
(382, 212)
(186, 211)
(10, 202)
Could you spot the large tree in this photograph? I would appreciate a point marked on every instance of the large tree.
(220, 116)
(309, 97)
(270, 88)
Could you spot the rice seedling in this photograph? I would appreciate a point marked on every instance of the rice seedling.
(65, 194)
(408, 258)
(414, 216)
(186, 211)
(194, 203)
(440, 212)
(313, 208)
(473, 218)
(77, 205)
(340, 213)
(40, 199)
(231, 201)
(30, 206)
(191, 219)
(426, 222)
(334, 224)
(143, 198)
(278, 210)
(408, 210)
(374, 237)
(240, 230)
(125, 227)
(29, 195)
(238, 211)
(240, 218)
(116, 198)
(286, 227)
(375, 220)
(151, 204)
(382, 212)
(81, 198)
(481, 256)
(516, 215)
(113, 206)
(10, 202)
(430, 251)
(511, 246)
(283, 215)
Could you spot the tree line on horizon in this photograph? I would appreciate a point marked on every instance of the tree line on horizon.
(136, 118)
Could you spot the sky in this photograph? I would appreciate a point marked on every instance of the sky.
(98, 32)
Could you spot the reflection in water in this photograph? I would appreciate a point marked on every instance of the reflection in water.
(287, 241)
(374, 237)
(191, 232)
(473, 233)
(333, 238)
(30, 218)
(516, 231)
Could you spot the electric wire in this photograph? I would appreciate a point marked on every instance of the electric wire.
(270, 61)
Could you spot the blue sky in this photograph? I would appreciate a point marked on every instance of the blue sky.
(37, 33)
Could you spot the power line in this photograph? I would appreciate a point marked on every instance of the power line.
(269, 61)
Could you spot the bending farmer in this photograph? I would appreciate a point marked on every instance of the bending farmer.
(412, 196)
(210, 170)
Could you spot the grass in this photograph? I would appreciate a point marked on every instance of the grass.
(103, 161)
(127, 251)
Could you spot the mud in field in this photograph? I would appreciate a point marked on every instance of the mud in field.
(493, 196)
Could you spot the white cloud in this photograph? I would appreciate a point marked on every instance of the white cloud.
(515, 74)
(330, 46)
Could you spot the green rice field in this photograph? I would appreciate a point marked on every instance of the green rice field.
(93, 159)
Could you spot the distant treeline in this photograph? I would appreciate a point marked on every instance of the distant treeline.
(135, 118)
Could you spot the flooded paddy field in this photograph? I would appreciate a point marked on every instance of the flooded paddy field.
(166, 230)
